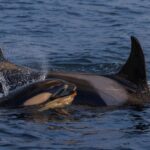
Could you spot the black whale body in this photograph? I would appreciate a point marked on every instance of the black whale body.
(44, 95)
(128, 86)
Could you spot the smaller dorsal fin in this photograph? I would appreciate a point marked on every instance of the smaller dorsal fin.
(134, 69)
(2, 58)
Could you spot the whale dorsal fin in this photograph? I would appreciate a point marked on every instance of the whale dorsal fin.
(134, 69)
(2, 58)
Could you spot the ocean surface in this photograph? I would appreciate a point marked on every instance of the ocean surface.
(74, 35)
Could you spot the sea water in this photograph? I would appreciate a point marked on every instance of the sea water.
(74, 35)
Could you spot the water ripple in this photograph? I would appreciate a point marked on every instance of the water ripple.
(85, 36)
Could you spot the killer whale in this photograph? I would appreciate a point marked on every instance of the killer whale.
(26, 90)
(126, 87)
(42, 95)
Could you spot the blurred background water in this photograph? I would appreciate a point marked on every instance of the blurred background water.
(74, 35)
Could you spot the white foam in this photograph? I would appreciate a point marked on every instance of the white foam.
(5, 86)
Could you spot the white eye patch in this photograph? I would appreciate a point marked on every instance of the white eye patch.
(38, 99)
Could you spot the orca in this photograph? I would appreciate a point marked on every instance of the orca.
(43, 95)
(126, 87)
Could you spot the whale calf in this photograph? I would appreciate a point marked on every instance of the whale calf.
(126, 87)
(47, 94)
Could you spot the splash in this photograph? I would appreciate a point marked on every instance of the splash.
(43, 65)
(43, 76)
(5, 86)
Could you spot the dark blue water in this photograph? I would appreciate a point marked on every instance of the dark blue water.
(74, 35)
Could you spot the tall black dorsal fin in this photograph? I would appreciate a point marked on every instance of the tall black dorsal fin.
(134, 69)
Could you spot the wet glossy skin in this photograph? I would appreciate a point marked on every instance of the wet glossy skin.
(99, 90)
(41, 93)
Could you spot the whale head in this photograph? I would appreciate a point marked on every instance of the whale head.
(47, 94)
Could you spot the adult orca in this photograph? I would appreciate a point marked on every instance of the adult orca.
(128, 86)
(47, 94)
